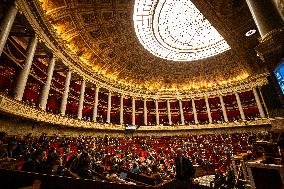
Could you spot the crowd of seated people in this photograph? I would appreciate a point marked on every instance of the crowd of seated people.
(113, 158)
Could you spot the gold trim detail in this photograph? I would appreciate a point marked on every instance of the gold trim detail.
(14, 107)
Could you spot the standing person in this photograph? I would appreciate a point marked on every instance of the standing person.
(184, 171)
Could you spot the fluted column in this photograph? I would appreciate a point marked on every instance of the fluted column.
(265, 15)
(108, 107)
(24, 74)
(95, 110)
(258, 103)
(157, 112)
(208, 110)
(6, 26)
(169, 112)
(181, 111)
(240, 106)
(121, 110)
(46, 87)
(133, 111)
(223, 109)
(194, 111)
(145, 112)
(81, 101)
(65, 93)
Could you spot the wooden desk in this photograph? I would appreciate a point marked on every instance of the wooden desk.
(265, 176)
(15, 179)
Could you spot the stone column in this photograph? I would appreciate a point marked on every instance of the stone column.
(81, 101)
(145, 112)
(108, 107)
(258, 103)
(133, 111)
(65, 94)
(121, 109)
(240, 106)
(24, 74)
(223, 109)
(208, 110)
(6, 26)
(194, 112)
(169, 112)
(95, 110)
(157, 112)
(265, 15)
(181, 111)
(46, 87)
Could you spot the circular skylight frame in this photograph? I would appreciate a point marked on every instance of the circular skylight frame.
(149, 23)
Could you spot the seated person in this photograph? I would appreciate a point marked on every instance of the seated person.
(219, 179)
(84, 166)
(6, 152)
(3, 152)
(268, 159)
(135, 169)
(112, 176)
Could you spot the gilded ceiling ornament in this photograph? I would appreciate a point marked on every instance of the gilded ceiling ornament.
(140, 72)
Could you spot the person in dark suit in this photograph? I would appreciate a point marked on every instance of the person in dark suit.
(184, 171)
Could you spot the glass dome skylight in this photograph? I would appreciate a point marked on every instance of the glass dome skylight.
(176, 30)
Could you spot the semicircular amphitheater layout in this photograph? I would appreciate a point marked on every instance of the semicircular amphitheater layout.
(135, 94)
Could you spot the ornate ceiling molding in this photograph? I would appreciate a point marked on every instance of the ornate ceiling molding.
(182, 85)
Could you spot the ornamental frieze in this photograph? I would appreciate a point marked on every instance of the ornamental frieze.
(14, 107)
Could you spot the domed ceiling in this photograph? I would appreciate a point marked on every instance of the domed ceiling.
(101, 34)
(176, 30)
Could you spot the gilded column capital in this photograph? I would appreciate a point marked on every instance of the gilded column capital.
(98, 86)
(179, 98)
(206, 95)
(70, 69)
(85, 79)
(270, 35)
(156, 98)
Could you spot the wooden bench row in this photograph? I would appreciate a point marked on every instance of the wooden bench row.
(16, 179)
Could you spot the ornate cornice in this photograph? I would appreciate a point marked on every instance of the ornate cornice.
(14, 107)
